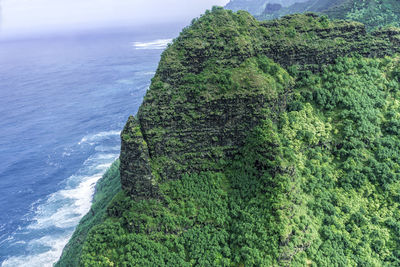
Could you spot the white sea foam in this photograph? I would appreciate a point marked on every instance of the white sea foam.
(9, 238)
(103, 166)
(98, 136)
(45, 259)
(55, 218)
(156, 44)
(66, 207)
(145, 73)
(126, 81)
(66, 154)
(102, 156)
(149, 73)
(102, 148)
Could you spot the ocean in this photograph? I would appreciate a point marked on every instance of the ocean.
(63, 102)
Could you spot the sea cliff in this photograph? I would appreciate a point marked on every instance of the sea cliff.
(261, 144)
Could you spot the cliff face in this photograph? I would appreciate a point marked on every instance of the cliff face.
(261, 144)
(135, 169)
(189, 123)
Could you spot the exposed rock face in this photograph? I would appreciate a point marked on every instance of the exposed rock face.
(194, 136)
(313, 48)
(136, 177)
(182, 128)
(241, 152)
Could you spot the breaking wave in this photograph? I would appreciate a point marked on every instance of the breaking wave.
(156, 44)
(55, 219)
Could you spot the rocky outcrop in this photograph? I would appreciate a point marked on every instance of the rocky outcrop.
(190, 121)
(313, 48)
(194, 136)
(135, 170)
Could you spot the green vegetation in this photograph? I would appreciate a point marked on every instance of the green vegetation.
(261, 144)
(320, 187)
(107, 187)
(256, 7)
(373, 13)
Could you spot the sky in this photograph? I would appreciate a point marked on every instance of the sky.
(40, 16)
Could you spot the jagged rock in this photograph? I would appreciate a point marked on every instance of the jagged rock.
(136, 176)
(182, 129)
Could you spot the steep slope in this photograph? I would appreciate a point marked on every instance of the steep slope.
(261, 144)
(373, 13)
(317, 6)
(257, 7)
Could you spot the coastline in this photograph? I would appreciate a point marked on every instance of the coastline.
(106, 188)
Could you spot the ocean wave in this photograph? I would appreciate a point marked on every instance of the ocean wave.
(9, 238)
(149, 73)
(126, 81)
(55, 218)
(103, 166)
(101, 157)
(145, 73)
(102, 148)
(98, 137)
(65, 208)
(44, 259)
(156, 44)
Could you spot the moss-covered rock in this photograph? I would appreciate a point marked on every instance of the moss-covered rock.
(261, 144)
(136, 174)
(217, 81)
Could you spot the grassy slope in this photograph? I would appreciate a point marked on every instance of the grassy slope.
(107, 187)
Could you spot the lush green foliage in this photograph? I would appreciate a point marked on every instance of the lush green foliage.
(320, 186)
(315, 183)
(373, 13)
(107, 187)
(217, 60)
(352, 176)
(256, 7)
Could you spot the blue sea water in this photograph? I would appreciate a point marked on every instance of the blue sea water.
(63, 102)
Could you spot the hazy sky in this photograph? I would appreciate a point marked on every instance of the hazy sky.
(32, 16)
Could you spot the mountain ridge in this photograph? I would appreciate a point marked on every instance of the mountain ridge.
(268, 143)
(373, 13)
(256, 7)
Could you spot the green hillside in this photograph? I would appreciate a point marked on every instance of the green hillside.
(269, 143)
(373, 13)
(256, 7)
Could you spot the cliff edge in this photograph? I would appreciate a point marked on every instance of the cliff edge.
(261, 144)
